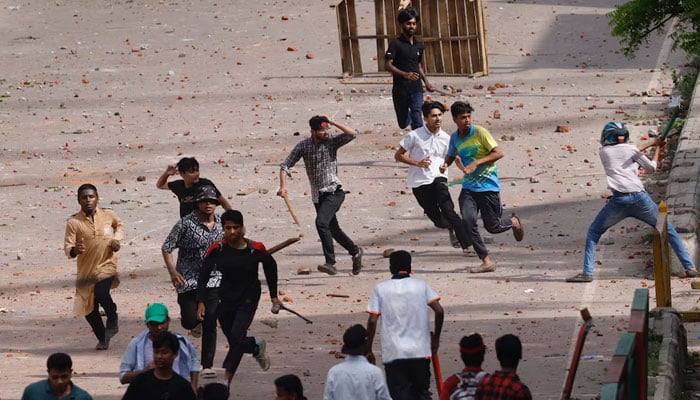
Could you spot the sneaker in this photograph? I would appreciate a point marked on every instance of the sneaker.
(580, 278)
(518, 231)
(208, 373)
(328, 268)
(196, 332)
(357, 261)
(112, 327)
(453, 239)
(691, 272)
(261, 355)
(103, 344)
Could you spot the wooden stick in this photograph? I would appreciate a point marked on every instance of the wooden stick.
(282, 245)
(291, 209)
(344, 296)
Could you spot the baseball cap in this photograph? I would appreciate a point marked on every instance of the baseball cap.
(207, 192)
(354, 340)
(156, 312)
(318, 123)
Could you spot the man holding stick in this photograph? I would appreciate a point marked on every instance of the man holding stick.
(237, 258)
(320, 154)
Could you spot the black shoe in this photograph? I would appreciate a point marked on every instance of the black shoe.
(328, 268)
(357, 261)
(103, 344)
(112, 327)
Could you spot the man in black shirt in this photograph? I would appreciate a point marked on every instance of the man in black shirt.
(161, 382)
(186, 188)
(237, 259)
(403, 60)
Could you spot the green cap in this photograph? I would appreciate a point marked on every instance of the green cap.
(156, 312)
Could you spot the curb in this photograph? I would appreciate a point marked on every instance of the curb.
(666, 322)
(683, 192)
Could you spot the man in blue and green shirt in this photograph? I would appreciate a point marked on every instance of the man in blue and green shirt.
(478, 152)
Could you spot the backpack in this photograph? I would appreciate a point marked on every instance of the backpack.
(468, 381)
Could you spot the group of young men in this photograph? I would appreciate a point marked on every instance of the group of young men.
(216, 272)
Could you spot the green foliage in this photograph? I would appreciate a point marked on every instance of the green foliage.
(633, 22)
(684, 81)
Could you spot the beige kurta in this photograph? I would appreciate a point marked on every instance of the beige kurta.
(98, 262)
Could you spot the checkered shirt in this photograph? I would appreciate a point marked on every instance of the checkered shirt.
(502, 385)
(320, 161)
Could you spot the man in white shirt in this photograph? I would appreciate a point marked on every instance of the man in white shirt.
(355, 378)
(407, 343)
(621, 162)
(424, 150)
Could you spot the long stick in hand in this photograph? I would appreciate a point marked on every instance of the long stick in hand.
(291, 209)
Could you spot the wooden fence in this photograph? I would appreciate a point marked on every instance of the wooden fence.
(452, 31)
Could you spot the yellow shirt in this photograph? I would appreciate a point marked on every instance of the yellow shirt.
(98, 262)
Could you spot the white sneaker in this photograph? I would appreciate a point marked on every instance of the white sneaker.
(208, 373)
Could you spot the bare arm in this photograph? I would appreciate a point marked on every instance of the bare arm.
(439, 318)
(194, 379)
(175, 277)
(495, 155)
(162, 182)
(224, 203)
(428, 85)
(283, 183)
(402, 156)
(389, 66)
(371, 331)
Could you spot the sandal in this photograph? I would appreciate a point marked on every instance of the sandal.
(483, 268)
(518, 232)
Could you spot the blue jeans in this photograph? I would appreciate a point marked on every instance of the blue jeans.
(408, 108)
(636, 205)
(328, 227)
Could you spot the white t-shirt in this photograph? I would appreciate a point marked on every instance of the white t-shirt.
(419, 144)
(621, 163)
(404, 322)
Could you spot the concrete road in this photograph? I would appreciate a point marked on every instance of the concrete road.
(111, 92)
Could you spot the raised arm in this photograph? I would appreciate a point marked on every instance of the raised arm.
(162, 182)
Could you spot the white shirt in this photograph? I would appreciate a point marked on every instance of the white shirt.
(621, 163)
(404, 323)
(355, 379)
(419, 144)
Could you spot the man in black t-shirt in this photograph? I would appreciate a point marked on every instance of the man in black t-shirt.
(161, 382)
(403, 60)
(237, 259)
(186, 188)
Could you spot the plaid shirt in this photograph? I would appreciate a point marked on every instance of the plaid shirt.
(321, 162)
(502, 385)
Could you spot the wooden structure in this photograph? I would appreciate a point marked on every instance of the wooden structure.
(452, 31)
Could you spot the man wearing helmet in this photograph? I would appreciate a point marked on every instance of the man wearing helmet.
(621, 161)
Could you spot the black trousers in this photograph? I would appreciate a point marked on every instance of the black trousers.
(489, 205)
(408, 379)
(102, 298)
(188, 320)
(436, 201)
(235, 319)
(328, 227)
